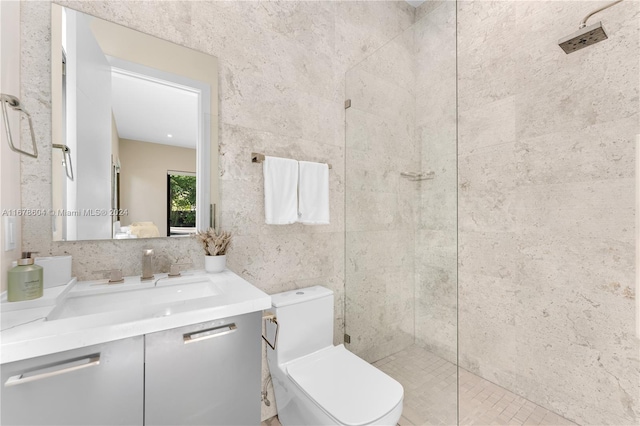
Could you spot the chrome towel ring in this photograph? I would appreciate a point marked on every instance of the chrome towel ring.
(14, 103)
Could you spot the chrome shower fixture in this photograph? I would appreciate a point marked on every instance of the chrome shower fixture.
(586, 35)
(583, 38)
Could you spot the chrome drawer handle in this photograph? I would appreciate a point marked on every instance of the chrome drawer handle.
(209, 333)
(55, 369)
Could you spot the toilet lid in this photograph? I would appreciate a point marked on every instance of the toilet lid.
(351, 390)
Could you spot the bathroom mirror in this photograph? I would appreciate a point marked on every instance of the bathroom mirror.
(134, 132)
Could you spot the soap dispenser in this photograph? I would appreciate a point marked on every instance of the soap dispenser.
(25, 280)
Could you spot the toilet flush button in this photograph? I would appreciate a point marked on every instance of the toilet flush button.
(300, 292)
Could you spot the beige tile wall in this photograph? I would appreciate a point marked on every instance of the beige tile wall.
(546, 193)
(282, 67)
(436, 225)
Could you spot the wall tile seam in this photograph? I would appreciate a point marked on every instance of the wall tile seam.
(297, 137)
(332, 84)
(395, 83)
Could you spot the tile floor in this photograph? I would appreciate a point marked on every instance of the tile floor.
(430, 394)
(431, 399)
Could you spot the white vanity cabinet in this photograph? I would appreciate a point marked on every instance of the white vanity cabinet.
(96, 385)
(204, 374)
(180, 351)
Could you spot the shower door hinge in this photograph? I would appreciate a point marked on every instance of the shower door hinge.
(347, 338)
(347, 104)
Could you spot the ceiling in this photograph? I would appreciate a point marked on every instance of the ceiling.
(149, 110)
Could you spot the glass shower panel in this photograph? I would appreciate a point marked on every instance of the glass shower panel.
(380, 204)
(436, 138)
(401, 213)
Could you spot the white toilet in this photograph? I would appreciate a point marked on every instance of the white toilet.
(316, 383)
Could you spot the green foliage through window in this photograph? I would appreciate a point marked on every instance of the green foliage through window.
(182, 193)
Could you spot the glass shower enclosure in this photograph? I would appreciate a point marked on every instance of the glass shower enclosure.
(401, 213)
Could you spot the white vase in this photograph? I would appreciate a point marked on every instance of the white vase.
(215, 264)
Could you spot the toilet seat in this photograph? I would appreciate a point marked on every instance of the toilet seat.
(345, 386)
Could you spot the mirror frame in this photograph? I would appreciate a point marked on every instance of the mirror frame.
(195, 69)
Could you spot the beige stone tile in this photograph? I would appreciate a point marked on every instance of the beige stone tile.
(382, 138)
(427, 8)
(263, 254)
(599, 151)
(394, 62)
(379, 96)
(488, 125)
(391, 211)
(302, 115)
(372, 249)
(272, 421)
(477, 83)
(355, 39)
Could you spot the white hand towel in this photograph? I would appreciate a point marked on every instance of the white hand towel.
(313, 193)
(280, 190)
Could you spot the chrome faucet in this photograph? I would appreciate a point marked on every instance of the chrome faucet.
(147, 264)
(176, 268)
(115, 275)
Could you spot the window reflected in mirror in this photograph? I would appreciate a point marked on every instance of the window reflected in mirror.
(181, 203)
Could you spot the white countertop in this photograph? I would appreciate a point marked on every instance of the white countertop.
(26, 333)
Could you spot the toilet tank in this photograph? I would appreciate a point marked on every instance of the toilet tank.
(305, 317)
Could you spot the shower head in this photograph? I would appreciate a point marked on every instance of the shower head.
(586, 36)
(583, 37)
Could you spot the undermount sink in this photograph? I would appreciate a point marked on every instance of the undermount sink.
(161, 292)
(94, 312)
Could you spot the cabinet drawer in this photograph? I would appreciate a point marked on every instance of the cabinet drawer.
(97, 385)
(207, 373)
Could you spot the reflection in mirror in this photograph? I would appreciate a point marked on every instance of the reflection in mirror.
(135, 118)
(181, 201)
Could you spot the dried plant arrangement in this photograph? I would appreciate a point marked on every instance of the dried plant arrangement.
(214, 244)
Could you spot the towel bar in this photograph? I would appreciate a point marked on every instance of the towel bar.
(14, 103)
(259, 158)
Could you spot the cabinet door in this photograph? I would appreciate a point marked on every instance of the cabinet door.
(204, 374)
(96, 385)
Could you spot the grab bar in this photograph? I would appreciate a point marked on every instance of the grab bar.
(14, 103)
(66, 153)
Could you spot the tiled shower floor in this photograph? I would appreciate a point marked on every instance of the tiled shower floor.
(430, 395)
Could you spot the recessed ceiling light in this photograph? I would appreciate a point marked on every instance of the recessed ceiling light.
(169, 135)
